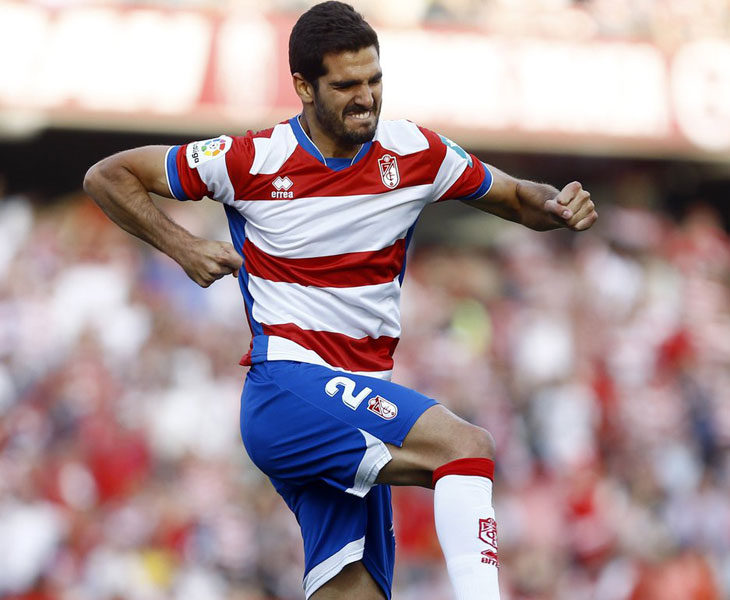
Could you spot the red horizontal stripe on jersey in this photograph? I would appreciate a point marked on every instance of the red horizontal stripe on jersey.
(339, 350)
(311, 178)
(340, 270)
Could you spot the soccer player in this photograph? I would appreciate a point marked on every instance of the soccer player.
(321, 209)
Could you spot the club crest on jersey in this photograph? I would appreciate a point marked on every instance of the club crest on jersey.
(198, 153)
(382, 407)
(389, 171)
(282, 186)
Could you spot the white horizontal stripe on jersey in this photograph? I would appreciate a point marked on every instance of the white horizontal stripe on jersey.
(357, 312)
(325, 226)
(449, 172)
(280, 348)
(401, 137)
(214, 175)
(271, 153)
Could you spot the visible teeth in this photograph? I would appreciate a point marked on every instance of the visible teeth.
(362, 115)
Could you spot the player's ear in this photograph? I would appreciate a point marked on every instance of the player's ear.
(303, 88)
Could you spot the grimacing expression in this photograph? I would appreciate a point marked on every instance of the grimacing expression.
(347, 100)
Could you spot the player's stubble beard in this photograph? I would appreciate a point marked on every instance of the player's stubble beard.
(334, 124)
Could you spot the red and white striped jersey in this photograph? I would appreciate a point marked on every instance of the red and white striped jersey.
(324, 240)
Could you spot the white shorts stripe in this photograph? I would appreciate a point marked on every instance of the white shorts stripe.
(328, 568)
(375, 458)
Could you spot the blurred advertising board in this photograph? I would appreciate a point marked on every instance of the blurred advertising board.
(156, 69)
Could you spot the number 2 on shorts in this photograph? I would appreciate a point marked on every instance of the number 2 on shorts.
(348, 390)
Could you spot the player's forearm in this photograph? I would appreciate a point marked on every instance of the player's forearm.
(530, 204)
(531, 198)
(123, 198)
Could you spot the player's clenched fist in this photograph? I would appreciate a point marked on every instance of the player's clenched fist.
(573, 207)
(206, 261)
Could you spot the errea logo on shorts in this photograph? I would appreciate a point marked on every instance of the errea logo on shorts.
(198, 153)
(282, 185)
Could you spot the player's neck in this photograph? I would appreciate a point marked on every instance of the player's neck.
(328, 147)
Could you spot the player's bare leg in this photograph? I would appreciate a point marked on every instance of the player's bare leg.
(353, 581)
(455, 457)
(437, 437)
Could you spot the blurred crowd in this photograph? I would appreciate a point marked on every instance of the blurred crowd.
(665, 22)
(600, 362)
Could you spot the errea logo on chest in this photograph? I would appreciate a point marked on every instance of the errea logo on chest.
(282, 186)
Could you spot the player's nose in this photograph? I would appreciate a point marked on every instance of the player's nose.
(365, 97)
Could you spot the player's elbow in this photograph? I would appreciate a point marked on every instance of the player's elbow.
(90, 180)
(93, 178)
(98, 177)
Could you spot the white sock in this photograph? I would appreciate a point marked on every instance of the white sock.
(466, 527)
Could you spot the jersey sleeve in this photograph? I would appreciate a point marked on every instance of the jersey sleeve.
(461, 175)
(209, 168)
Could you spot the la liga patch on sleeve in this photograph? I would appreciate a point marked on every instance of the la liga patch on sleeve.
(198, 153)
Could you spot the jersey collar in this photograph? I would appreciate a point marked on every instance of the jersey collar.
(336, 164)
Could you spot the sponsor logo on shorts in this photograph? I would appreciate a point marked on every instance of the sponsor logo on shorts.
(382, 407)
(488, 534)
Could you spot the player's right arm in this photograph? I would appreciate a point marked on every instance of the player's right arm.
(121, 185)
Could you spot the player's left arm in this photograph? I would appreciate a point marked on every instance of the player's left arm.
(537, 205)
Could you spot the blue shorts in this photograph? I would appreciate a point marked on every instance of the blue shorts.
(320, 436)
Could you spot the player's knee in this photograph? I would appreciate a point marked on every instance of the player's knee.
(473, 442)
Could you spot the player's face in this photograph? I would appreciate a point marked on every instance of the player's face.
(347, 101)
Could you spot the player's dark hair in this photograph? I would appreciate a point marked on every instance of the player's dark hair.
(329, 27)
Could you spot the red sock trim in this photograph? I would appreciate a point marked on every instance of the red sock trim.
(481, 467)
